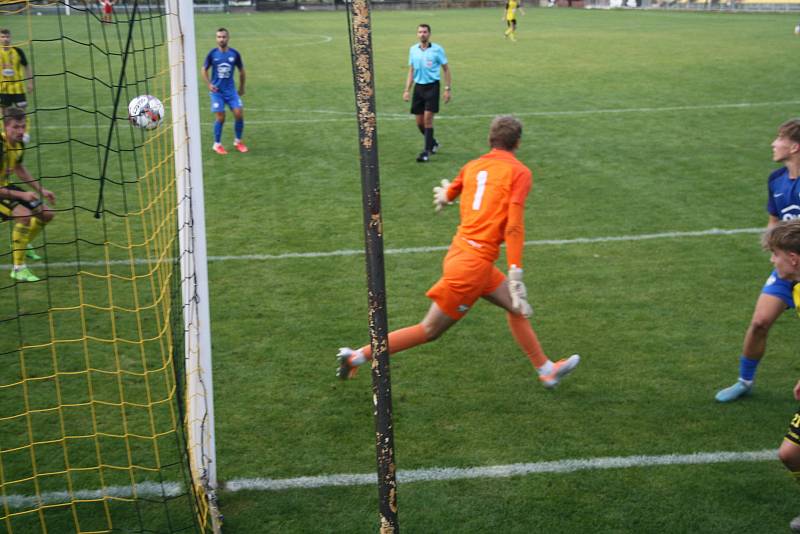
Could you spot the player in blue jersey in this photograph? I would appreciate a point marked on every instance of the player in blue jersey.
(783, 204)
(222, 61)
(425, 61)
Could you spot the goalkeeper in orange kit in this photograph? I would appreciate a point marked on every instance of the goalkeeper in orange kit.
(493, 190)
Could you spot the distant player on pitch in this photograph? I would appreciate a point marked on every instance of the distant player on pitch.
(426, 62)
(222, 61)
(783, 203)
(493, 190)
(783, 240)
(510, 16)
(15, 77)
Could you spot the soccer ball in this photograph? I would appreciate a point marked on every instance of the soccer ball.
(797, 30)
(146, 111)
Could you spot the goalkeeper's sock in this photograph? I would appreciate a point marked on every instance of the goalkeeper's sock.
(20, 237)
(218, 131)
(747, 368)
(400, 340)
(238, 128)
(421, 128)
(526, 338)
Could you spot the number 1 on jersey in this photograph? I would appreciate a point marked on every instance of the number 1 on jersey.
(476, 202)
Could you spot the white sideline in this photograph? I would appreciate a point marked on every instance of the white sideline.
(172, 489)
(501, 471)
(435, 248)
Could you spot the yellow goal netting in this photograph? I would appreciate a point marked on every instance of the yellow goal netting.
(105, 423)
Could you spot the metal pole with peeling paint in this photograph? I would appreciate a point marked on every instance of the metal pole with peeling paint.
(359, 25)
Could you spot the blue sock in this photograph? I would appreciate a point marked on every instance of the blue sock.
(218, 131)
(747, 368)
(238, 128)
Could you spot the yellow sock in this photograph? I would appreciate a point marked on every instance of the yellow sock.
(35, 229)
(20, 237)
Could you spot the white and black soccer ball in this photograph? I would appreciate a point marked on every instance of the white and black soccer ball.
(146, 111)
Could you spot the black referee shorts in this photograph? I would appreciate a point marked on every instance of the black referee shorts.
(426, 98)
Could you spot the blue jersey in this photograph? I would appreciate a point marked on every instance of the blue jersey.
(426, 63)
(784, 195)
(222, 65)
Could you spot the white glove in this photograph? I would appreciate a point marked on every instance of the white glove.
(440, 195)
(519, 293)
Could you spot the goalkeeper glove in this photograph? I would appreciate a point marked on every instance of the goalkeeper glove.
(519, 293)
(440, 195)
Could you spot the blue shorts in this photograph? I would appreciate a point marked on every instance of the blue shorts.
(219, 99)
(778, 287)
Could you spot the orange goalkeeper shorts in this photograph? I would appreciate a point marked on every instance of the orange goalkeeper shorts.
(465, 278)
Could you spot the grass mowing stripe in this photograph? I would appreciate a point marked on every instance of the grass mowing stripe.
(502, 471)
(422, 250)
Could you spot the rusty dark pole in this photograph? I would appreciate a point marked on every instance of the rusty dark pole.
(364, 84)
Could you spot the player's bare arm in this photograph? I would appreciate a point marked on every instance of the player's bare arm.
(409, 81)
(26, 177)
(211, 87)
(241, 82)
(447, 81)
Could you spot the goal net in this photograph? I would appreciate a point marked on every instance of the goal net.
(106, 419)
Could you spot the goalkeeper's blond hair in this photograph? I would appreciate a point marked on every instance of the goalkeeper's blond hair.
(505, 132)
(783, 236)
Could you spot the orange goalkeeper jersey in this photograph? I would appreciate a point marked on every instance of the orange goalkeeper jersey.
(488, 187)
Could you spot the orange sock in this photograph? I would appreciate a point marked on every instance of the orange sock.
(400, 340)
(526, 339)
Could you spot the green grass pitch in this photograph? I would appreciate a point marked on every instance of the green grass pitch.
(636, 123)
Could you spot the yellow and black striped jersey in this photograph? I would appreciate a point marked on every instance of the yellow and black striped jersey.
(11, 156)
(12, 70)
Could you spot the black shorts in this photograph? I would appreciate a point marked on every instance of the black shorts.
(16, 99)
(426, 98)
(7, 205)
(793, 434)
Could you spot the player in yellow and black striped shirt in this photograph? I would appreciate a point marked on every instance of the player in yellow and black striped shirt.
(25, 208)
(15, 74)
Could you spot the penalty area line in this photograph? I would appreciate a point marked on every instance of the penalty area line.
(500, 471)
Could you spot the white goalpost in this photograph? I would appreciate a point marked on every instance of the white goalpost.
(199, 398)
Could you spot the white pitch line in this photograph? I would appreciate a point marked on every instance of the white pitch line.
(143, 489)
(501, 471)
(172, 489)
(406, 116)
(423, 250)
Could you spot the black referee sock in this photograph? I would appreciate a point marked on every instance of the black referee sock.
(428, 139)
(421, 129)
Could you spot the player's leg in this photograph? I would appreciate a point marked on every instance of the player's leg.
(418, 110)
(20, 237)
(452, 295)
(218, 108)
(431, 109)
(789, 454)
(435, 323)
(776, 296)
(513, 33)
(550, 373)
(238, 128)
(41, 216)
